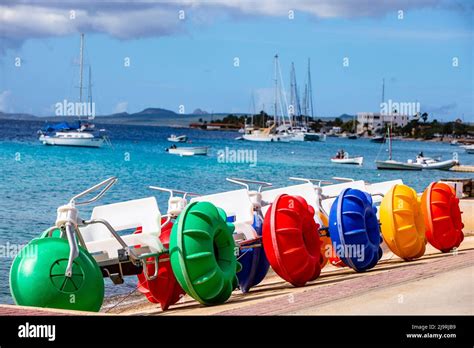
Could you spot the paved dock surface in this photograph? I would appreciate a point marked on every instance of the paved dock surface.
(394, 285)
(437, 283)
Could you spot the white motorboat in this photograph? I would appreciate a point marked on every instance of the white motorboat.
(432, 163)
(72, 138)
(378, 139)
(262, 137)
(267, 135)
(469, 149)
(346, 159)
(188, 150)
(178, 138)
(395, 165)
(302, 134)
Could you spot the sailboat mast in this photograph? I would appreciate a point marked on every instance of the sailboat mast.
(383, 90)
(292, 91)
(390, 142)
(81, 62)
(89, 89)
(254, 109)
(310, 88)
(276, 90)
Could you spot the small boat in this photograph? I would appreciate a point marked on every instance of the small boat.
(178, 138)
(352, 136)
(391, 164)
(395, 165)
(435, 163)
(77, 138)
(469, 149)
(310, 136)
(267, 135)
(454, 142)
(188, 150)
(343, 157)
(378, 139)
(303, 134)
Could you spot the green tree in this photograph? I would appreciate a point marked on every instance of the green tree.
(424, 117)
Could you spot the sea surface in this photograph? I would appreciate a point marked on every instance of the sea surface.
(36, 179)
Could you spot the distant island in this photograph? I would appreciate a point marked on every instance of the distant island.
(152, 117)
(416, 128)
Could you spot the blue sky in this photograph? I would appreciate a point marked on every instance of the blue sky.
(190, 62)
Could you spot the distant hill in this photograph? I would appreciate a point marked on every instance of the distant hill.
(14, 116)
(200, 112)
(148, 116)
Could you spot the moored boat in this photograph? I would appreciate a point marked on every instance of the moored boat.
(178, 138)
(396, 165)
(378, 139)
(72, 138)
(469, 149)
(188, 150)
(432, 163)
(80, 134)
(343, 157)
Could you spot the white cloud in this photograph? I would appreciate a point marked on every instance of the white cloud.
(4, 101)
(121, 107)
(22, 20)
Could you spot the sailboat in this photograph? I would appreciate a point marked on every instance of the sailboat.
(276, 132)
(391, 164)
(302, 133)
(81, 134)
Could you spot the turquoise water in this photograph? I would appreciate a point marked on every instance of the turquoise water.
(36, 179)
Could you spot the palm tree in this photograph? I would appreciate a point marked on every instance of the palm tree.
(424, 117)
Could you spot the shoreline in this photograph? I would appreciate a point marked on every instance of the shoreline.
(461, 141)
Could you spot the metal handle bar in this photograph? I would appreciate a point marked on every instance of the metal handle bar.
(342, 179)
(108, 183)
(113, 232)
(246, 182)
(172, 192)
(318, 181)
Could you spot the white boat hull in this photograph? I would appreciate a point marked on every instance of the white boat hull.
(353, 160)
(179, 139)
(267, 138)
(394, 165)
(469, 149)
(189, 151)
(78, 142)
(443, 165)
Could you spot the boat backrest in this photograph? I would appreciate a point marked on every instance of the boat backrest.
(121, 216)
(304, 190)
(332, 191)
(235, 202)
(382, 187)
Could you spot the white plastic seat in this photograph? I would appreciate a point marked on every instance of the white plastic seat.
(235, 203)
(382, 187)
(304, 190)
(333, 191)
(123, 216)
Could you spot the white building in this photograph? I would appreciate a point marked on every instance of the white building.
(374, 121)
